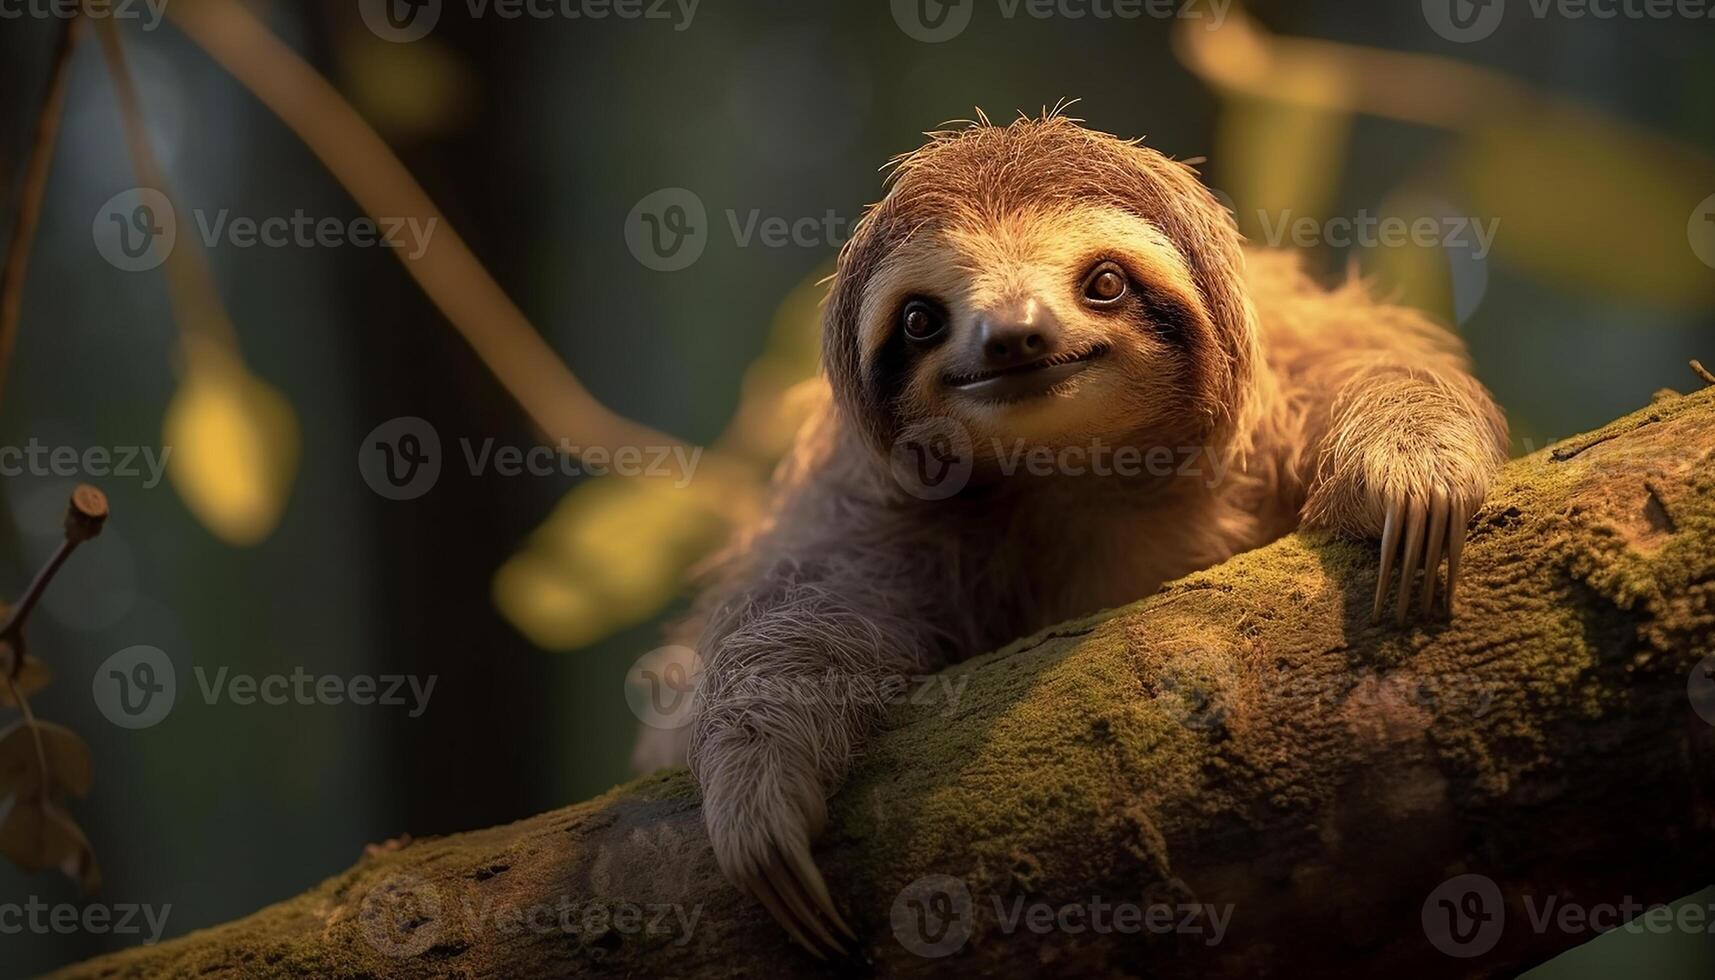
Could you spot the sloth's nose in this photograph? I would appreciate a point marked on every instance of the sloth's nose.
(1019, 336)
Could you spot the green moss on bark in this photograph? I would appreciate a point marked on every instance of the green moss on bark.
(1245, 737)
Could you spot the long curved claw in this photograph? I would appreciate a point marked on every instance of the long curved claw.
(1438, 506)
(791, 892)
(1455, 548)
(759, 887)
(1408, 565)
(797, 855)
(1390, 544)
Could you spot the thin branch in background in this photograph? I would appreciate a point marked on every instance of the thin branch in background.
(454, 279)
(1244, 57)
(204, 327)
(31, 191)
(1702, 372)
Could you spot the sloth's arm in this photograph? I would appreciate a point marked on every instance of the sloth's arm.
(806, 645)
(1396, 438)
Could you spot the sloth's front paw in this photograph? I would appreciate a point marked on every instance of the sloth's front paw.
(761, 820)
(1416, 488)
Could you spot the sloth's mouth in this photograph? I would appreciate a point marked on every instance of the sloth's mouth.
(1026, 380)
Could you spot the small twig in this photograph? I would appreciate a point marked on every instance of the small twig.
(86, 514)
(31, 193)
(1702, 372)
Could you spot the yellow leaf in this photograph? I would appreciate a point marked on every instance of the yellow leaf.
(613, 553)
(32, 677)
(38, 836)
(234, 450)
(1592, 204)
(71, 768)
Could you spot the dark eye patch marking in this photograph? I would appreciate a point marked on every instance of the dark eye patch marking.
(1171, 318)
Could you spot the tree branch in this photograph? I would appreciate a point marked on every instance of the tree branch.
(1245, 740)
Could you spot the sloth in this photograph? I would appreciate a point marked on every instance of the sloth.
(1040, 285)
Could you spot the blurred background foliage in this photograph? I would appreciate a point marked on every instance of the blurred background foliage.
(1591, 142)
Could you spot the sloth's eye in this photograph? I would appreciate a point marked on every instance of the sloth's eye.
(1105, 284)
(922, 321)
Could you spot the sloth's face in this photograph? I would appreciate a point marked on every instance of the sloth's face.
(1056, 327)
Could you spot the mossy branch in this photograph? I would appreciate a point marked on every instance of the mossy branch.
(1246, 739)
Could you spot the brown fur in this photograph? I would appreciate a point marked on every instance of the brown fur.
(1311, 405)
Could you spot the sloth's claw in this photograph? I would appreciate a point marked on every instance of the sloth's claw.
(1413, 551)
(798, 859)
(1455, 548)
(788, 885)
(1437, 537)
(791, 892)
(1426, 530)
(1390, 545)
(759, 887)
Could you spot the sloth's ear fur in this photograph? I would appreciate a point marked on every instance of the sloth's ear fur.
(972, 175)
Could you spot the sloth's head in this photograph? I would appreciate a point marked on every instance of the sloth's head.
(1043, 282)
